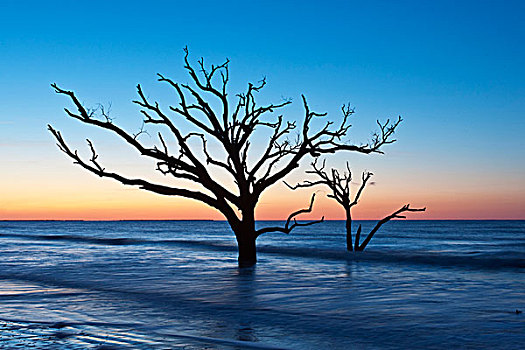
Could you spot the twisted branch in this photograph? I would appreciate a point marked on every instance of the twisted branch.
(291, 219)
(384, 221)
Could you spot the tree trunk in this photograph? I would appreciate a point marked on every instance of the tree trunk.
(247, 250)
(246, 237)
(349, 246)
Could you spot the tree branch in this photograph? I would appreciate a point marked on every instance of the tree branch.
(98, 170)
(291, 219)
(385, 220)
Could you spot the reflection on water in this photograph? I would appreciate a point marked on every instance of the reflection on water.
(173, 289)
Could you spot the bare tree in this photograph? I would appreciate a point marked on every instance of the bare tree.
(339, 184)
(232, 129)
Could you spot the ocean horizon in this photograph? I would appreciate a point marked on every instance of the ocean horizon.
(273, 220)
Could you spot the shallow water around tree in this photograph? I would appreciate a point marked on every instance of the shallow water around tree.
(175, 284)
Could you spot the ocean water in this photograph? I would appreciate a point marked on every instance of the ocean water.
(176, 285)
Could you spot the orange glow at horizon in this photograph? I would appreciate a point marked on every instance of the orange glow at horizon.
(93, 203)
(71, 194)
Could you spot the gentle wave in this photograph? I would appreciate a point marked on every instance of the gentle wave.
(470, 259)
(217, 341)
(62, 324)
(111, 241)
(237, 344)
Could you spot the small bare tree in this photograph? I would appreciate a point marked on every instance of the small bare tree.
(339, 184)
(232, 129)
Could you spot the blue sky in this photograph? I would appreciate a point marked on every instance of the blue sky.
(454, 71)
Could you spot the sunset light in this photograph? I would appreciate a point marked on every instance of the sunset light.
(314, 175)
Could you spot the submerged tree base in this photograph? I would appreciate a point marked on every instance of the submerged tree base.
(247, 263)
(247, 252)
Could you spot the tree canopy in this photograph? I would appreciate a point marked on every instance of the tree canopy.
(232, 126)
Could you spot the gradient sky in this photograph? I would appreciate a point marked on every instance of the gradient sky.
(454, 70)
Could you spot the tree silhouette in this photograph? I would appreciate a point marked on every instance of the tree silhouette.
(340, 186)
(232, 129)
